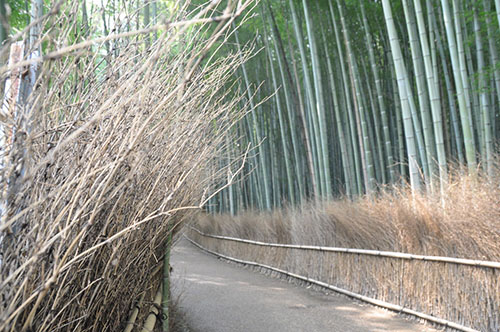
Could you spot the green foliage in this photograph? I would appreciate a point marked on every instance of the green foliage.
(19, 14)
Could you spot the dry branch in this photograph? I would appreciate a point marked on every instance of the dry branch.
(113, 160)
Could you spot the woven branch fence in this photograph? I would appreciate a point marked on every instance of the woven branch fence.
(460, 293)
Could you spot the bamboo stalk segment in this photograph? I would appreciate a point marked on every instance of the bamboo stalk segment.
(463, 261)
(133, 315)
(154, 311)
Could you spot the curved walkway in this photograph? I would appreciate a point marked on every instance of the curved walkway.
(215, 296)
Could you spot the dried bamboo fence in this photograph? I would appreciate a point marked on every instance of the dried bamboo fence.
(111, 152)
(461, 294)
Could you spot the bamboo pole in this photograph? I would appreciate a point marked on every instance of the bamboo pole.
(470, 151)
(310, 103)
(391, 254)
(154, 310)
(359, 109)
(133, 315)
(282, 126)
(323, 154)
(351, 128)
(346, 164)
(380, 97)
(289, 100)
(422, 95)
(433, 97)
(263, 166)
(409, 120)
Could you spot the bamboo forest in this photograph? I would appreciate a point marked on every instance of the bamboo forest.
(365, 94)
(249, 165)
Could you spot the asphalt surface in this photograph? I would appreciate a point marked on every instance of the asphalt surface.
(216, 296)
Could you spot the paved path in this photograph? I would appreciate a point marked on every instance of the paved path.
(216, 296)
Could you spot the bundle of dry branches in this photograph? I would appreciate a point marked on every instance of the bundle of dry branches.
(110, 155)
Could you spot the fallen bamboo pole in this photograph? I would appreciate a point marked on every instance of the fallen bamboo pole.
(460, 261)
(379, 303)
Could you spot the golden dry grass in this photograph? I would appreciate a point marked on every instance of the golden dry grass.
(464, 222)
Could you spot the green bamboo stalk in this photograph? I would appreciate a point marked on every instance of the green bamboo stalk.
(493, 53)
(457, 19)
(497, 5)
(450, 93)
(4, 22)
(320, 105)
(422, 92)
(311, 102)
(263, 167)
(283, 67)
(380, 97)
(154, 12)
(470, 151)
(487, 141)
(304, 127)
(373, 121)
(352, 131)
(359, 110)
(434, 98)
(282, 125)
(403, 93)
(230, 187)
(277, 192)
(343, 147)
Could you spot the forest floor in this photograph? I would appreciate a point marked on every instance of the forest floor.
(215, 296)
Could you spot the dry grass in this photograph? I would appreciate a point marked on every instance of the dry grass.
(110, 155)
(464, 223)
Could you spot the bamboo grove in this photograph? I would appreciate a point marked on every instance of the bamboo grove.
(364, 94)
